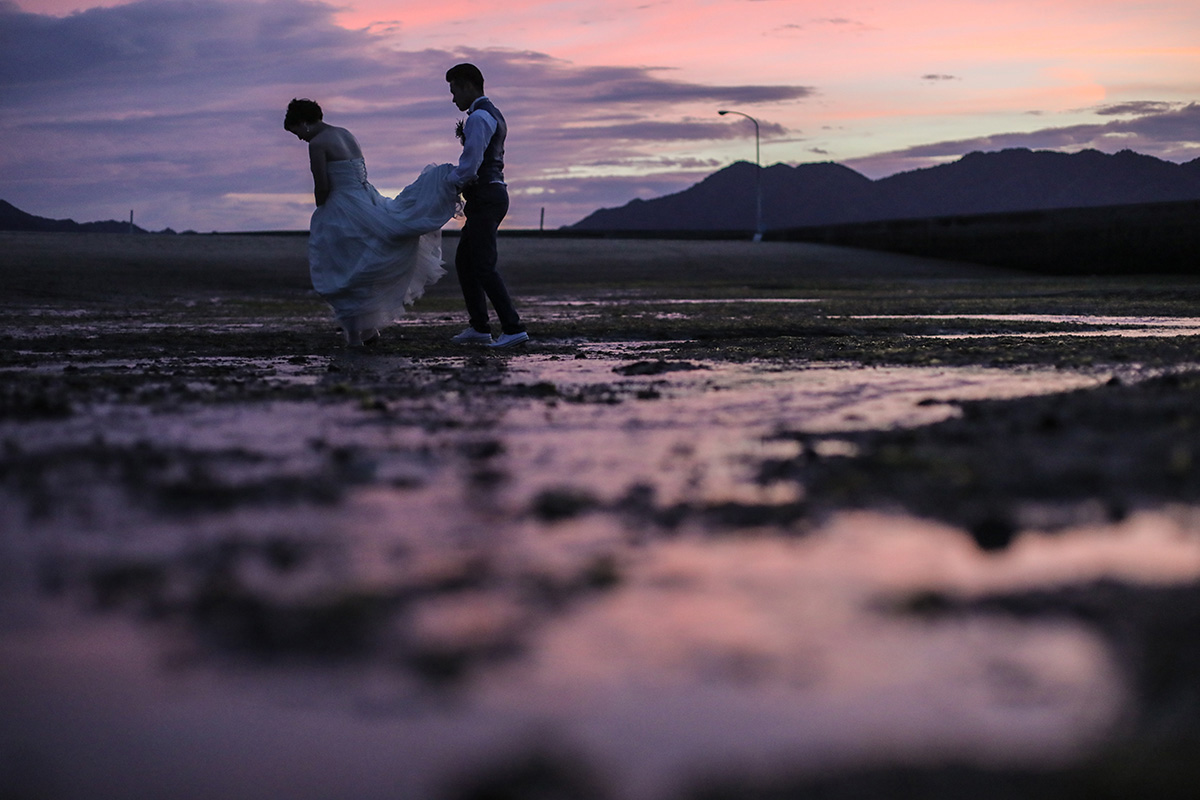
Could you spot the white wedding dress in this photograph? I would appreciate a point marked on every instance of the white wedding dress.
(369, 256)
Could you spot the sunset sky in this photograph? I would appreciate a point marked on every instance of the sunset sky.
(174, 108)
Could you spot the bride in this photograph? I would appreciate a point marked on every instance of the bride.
(369, 256)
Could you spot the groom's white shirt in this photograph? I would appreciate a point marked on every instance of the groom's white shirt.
(477, 130)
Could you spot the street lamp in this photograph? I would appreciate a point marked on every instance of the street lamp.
(758, 223)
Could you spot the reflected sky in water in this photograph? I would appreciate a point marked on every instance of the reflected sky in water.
(742, 646)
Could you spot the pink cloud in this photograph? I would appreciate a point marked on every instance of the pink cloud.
(603, 98)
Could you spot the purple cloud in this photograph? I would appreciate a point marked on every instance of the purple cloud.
(175, 109)
(1138, 108)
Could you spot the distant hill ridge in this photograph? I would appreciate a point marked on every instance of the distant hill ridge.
(979, 183)
(14, 219)
(826, 193)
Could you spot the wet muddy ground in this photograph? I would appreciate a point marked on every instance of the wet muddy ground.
(742, 521)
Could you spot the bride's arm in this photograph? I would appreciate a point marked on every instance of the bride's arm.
(316, 158)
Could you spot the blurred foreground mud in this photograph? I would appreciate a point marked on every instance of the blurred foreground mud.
(753, 533)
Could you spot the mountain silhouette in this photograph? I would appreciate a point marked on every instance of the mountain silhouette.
(14, 219)
(978, 183)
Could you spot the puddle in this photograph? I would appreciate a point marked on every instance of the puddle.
(695, 434)
(454, 565)
(723, 301)
(668, 551)
(559, 309)
(281, 370)
(1133, 327)
(699, 436)
(746, 654)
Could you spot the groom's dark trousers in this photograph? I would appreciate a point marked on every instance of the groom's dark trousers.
(475, 258)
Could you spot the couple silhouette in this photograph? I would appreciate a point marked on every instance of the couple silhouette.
(370, 256)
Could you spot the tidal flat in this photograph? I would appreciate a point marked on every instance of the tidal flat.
(743, 520)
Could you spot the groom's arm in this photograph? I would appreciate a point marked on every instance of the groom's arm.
(477, 132)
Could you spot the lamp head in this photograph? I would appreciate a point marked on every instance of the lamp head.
(722, 113)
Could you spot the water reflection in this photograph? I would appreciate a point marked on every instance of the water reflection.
(371, 599)
(756, 652)
(1086, 325)
(703, 435)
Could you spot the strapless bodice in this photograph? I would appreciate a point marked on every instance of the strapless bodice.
(346, 174)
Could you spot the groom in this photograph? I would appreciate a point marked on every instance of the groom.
(480, 177)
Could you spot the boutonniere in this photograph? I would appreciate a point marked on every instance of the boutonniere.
(460, 131)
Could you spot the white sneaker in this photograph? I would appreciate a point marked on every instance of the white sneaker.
(472, 336)
(511, 339)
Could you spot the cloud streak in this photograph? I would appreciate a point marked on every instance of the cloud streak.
(1155, 127)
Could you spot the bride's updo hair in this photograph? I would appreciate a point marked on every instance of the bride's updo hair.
(302, 111)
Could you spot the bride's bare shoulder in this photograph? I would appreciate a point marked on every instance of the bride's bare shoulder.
(337, 143)
(346, 142)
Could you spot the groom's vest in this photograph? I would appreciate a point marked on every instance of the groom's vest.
(491, 170)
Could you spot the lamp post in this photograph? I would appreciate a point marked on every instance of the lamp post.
(758, 221)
